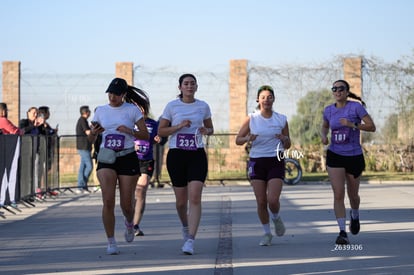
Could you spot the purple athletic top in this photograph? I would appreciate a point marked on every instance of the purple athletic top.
(345, 141)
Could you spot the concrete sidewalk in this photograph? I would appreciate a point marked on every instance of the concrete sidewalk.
(65, 235)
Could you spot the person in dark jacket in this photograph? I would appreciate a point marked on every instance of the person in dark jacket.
(84, 147)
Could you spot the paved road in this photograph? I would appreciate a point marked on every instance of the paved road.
(65, 235)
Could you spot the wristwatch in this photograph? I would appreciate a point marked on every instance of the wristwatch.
(356, 125)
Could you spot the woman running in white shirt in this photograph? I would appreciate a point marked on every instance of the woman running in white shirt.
(186, 119)
(268, 133)
(117, 160)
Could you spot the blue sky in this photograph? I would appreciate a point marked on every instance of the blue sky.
(89, 36)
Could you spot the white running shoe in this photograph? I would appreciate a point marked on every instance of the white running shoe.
(188, 247)
(279, 227)
(112, 249)
(266, 240)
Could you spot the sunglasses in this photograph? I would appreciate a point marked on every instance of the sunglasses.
(338, 89)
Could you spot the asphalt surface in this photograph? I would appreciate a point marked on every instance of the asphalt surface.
(64, 235)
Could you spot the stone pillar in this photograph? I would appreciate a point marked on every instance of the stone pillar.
(353, 74)
(238, 86)
(237, 94)
(11, 89)
(125, 70)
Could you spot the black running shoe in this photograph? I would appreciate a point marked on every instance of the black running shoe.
(342, 238)
(354, 225)
(138, 231)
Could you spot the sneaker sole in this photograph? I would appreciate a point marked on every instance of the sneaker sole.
(342, 241)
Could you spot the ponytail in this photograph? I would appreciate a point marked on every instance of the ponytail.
(138, 97)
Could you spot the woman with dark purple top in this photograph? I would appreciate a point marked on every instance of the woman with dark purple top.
(345, 160)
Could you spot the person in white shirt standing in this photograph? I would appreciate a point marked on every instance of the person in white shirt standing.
(267, 134)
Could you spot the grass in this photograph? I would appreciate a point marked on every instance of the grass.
(366, 176)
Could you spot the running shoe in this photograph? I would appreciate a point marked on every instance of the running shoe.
(112, 249)
(354, 225)
(266, 240)
(138, 231)
(188, 247)
(279, 227)
(129, 232)
(342, 238)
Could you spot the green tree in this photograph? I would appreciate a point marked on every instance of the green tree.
(305, 126)
(390, 129)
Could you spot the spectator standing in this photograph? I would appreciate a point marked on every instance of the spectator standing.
(6, 126)
(84, 147)
(32, 122)
(47, 148)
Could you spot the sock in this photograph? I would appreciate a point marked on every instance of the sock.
(266, 228)
(129, 224)
(355, 213)
(341, 223)
(185, 231)
(274, 216)
(111, 240)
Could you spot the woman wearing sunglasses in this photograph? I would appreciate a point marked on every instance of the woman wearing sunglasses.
(344, 159)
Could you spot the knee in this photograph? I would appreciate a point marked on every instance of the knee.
(108, 204)
(195, 201)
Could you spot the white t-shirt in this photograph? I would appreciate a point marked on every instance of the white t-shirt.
(266, 144)
(176, 111)
(111, 118)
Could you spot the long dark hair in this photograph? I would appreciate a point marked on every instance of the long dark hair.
(351, 94)
(138, 97)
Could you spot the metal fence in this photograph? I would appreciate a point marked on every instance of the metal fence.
(225, 160)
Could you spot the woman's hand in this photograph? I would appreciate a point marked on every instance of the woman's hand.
(125, 130)
(205, 131)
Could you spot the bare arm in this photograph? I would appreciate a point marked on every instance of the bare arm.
(244, 133)
(207, 129)
(324, 132)
(165, 129)
(284, 137)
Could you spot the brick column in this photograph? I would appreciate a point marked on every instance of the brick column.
(353, 74)
(237, 93)
(125, 70)
(237, 112)
(11, 89)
